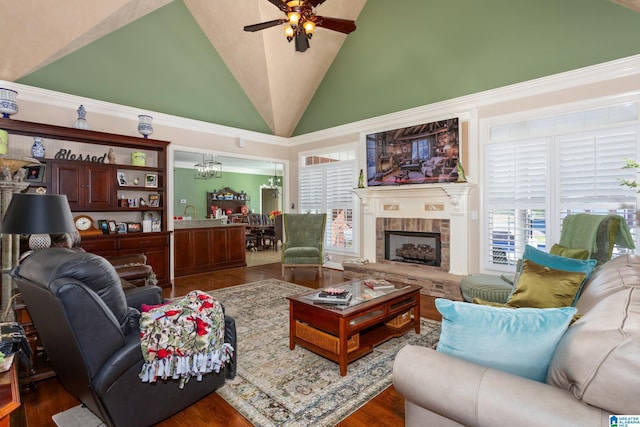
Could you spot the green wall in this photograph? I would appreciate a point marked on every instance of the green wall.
(404, 54)
(195, 190)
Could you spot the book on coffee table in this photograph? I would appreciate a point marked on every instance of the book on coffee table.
(338, 298)
(378, 284)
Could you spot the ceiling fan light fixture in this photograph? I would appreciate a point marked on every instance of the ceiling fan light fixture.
(294, 18)
(288, 32)
(309, 26)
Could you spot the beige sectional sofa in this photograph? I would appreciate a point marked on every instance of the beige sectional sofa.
(594, 371)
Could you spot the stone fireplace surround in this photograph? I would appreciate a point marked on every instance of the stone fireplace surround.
(440, 208)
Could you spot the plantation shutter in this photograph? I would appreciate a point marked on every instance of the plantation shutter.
(590, 168)
(340, 178)
(516, 185)
(312, 189)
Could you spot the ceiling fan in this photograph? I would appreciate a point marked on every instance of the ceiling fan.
(301, 20)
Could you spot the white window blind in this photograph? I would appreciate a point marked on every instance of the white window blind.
(327, 188)
(532, 182)
(311, 189)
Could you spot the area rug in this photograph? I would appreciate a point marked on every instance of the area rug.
(275, 386)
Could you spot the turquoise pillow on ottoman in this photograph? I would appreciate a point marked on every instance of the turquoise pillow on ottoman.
(520, 341)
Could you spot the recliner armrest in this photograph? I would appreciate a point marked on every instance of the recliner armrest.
(150, 295)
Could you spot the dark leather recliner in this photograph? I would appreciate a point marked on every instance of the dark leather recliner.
(89, 329)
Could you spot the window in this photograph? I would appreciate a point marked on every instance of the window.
(326, 185)
(539, 171)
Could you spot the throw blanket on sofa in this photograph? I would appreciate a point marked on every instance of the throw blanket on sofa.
(183, 338)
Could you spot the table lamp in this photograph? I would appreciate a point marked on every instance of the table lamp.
(38, 215)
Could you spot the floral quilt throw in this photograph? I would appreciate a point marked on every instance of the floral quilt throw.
(183, 339)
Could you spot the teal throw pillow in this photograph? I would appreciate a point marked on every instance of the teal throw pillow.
(519, 341)
(557, 262)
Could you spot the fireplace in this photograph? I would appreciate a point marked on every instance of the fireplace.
(412, 247)
(416, 231)
(430, 208)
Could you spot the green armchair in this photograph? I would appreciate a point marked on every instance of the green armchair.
(304, 237)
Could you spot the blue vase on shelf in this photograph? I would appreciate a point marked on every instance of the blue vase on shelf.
(37, 149)
(144, 126)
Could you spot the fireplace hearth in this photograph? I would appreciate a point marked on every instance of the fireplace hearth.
(412, 247)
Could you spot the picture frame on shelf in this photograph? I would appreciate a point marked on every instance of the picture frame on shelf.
(151, 215)
(156, 226)
(113, 228)
(132, 202)
(154, 201)
(122, 179)
(34, 173)
(103, 225)
(134, 227)
(151, 180)
(122, 228)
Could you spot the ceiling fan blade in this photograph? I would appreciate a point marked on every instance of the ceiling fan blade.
(263, 25)
(302, 43)
(336, 24)
(315, 3)
(279, 4)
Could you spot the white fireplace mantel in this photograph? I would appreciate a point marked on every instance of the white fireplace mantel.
(437, 201)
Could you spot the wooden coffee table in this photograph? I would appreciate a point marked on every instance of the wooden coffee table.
(346, 334)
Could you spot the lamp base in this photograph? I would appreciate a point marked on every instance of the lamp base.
(39, 241)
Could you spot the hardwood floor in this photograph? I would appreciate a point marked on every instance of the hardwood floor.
(387, 409)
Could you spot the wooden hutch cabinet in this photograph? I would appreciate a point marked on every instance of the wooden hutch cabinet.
(88, 187)
(95, 171)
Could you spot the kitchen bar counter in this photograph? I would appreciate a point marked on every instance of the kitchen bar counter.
(200, 223)
(207, 245)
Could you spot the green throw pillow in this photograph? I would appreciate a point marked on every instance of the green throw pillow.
(560, 250)
(543, 287)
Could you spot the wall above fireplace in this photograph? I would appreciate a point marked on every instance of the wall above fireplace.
(446, 201)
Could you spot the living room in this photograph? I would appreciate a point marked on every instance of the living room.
(587, 65)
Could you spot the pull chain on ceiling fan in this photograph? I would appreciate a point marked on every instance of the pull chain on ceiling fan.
(302, 20)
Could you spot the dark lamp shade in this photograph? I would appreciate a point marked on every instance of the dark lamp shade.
(37, 214)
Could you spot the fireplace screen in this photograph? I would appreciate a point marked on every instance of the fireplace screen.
(412, 247)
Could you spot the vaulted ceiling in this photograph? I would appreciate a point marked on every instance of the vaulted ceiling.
(191, 58)
(279, 82)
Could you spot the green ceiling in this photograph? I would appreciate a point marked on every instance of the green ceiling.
(403, 54)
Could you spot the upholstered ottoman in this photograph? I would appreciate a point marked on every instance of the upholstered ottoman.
(487, 287)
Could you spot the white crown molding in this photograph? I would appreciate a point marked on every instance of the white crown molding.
(464, 106)
(68, 101)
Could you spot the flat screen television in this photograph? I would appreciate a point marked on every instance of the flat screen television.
(420, 154)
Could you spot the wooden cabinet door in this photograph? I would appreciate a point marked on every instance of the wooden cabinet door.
(219, 245)
(236, 243)
(87, 187)
(100, 188)
(183, 247)
(201, 241)
(68, 179)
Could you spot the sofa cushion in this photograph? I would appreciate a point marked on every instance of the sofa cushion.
(598, 360)
(543, 287)
(520, 341)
